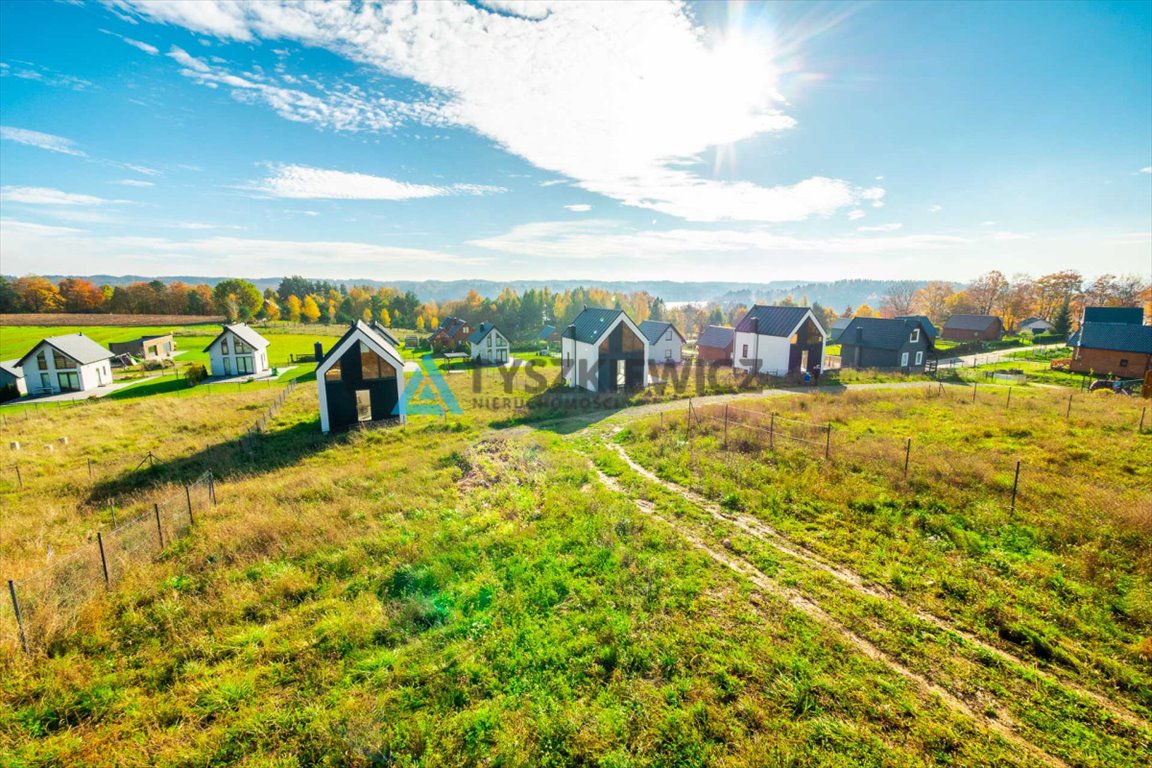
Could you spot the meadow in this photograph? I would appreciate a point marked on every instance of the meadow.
(536, 582)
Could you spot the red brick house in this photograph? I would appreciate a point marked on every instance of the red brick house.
(973, 328)
(452, 334)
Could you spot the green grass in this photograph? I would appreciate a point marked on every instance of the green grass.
(447, 593)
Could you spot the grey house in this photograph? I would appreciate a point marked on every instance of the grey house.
(873, 342)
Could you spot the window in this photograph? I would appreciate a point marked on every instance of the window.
(667, 354)
(669, 336)
(744, 354)
(239, 347)
(1123, 362)
(363, 405)
(244, 364)
(333, 373)
(904, 360)
(920, 357)
(42, 361)
(915, 335)
(224, 345)
(62, 361)
(372, 366)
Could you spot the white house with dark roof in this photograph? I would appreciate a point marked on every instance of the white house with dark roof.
(488, 345)
(665, 342)
(72, 363)
(12, 375)
(238, 351)
(603, 350)
(778, 341)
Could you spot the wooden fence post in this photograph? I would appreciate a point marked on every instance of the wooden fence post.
(188, 498)
(1009, 405)
(159, 529)
(19, 479)
(907, 456)
(725, 426)
(1143, 413)
(103, 559)
(1068, 413)
(1015, 485)
(973, 391)
(828, 443)
(212, 487)
(19, 618)
(772, 432)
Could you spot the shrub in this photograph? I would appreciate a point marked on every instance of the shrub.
(195, 374)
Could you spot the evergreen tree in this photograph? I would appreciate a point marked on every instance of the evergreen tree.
(1062, 323)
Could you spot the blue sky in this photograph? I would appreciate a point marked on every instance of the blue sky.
(609, 141)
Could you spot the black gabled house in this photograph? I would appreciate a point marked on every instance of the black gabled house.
(874, 342)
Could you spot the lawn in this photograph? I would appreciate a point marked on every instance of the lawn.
(453, 592)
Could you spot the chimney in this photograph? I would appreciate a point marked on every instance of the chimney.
(859, 334)
(319, 349)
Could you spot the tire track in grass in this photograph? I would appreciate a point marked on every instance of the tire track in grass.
(769, 535)
(798, 601)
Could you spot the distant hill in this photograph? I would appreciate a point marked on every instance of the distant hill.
(835, 294)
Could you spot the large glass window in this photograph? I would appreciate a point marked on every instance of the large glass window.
(224, 345)
(244, 364)
(62, 361)
(42, 361)
(333, 373)
(372, 366)
(239, 347)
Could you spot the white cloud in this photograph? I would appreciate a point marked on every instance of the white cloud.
(31, 247)
(881, 228)
(623, 98)
(303, 182)
(579, 207)
(856, 214)
(151, 50)
(553, 182)
(935, 208)
(47, 141)
(987, 223)
(135, 183)
(47, 196)
(1148, 169)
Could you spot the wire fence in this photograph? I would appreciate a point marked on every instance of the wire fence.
(44, 603)
(901, 461)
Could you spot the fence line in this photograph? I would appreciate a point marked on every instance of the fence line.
(41, 604)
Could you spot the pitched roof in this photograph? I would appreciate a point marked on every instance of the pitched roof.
(450, 328)
(773, 321)
(928, 326)
(362, 328)
(12, 368)
(547, 332)
(591, 324)
(717, 337)
(655, 329)
(74, 345)
(481, 331)
(242, 332)
(388, 336)
(1031, 320)
(971, 322)
(1127, 315)
(1117, 337)
(881, 333)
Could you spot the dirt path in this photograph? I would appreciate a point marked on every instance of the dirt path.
(764, 532)
(1004, 727)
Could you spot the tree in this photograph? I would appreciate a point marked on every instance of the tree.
(81, 295)
(271, 308)
(932, 300)
(419, 322)
(1062, 321)
(1052, 291)
(987, 292)
(656, 309)
(310, 311)
(237, 299)
(293, 306)
(898, 300)
(36, 294)
(385, 318)
(865, 311)
(9, 300)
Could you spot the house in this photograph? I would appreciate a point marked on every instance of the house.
(973, 328)
(385, 334)
(238, 351)
(838, 326)
(1034, 326)
(488, 345)
(715, 344)
(875, 342)
(12, 383)
(778, 340)
(925, 322)
(359, 380)
(547, 337)
(451, 335)
(603, 350)
(72, 363)
(146, 347)
(665, 342)
(1122, 349)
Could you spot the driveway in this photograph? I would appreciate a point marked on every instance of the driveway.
(64, 397)
(996, 356)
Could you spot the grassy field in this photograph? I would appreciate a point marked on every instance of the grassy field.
(608, 588)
